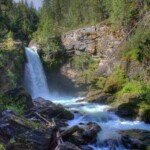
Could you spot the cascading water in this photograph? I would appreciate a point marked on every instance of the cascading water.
(35, 79)
(36, 83)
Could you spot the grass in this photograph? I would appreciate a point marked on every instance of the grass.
(116, 81)
(18, 109)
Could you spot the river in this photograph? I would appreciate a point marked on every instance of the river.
(111, 124)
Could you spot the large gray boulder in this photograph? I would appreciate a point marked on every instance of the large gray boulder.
(50, 110)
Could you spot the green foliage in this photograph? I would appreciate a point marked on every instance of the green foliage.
(18, 109)
(116, 81)
(6, 104)
(133, 87)
(138, 46)
(88, 74)
(81, 62)
(52, 53)
(12, 78)
(19, 18)
(11, 63)
(57, 16)
(120, 13)
(101, 82)
(2, 147)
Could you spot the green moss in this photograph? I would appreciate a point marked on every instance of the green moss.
(18, 109)
(133, 87)
(2, 146)
(116, 81)
(81, 62)
(101, 82)
(89, 75)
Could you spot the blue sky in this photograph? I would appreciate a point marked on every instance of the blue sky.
(37, 3)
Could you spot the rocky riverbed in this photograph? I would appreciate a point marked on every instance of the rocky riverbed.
(81, 126)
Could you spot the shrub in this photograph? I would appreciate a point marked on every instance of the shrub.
(12, 78)
(138, 46)
(18, 109)
(82, 62)
(89, 76)
(101, 82)
(52, 52)
(115, 81)
(134, 87)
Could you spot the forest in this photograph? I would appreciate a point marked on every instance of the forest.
(102, 47)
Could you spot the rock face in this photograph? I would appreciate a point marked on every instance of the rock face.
(136, 139)
(97, 40)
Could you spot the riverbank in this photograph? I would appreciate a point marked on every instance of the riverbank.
(84, 125)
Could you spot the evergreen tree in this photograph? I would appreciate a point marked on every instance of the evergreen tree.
(120, 12)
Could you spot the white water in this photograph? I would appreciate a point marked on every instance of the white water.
(110, 123)
(35, 79)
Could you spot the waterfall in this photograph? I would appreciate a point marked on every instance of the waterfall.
(35, 79)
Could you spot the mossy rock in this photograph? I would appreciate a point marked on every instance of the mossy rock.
(128, 98)
(136, 139)
(99, 97)
(145, 115)
(128, 110)
(18, 97)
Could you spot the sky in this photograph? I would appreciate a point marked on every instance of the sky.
(37, 3)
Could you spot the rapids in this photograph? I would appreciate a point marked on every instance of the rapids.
(111, 124)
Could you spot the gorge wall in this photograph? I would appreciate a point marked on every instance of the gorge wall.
(100, 41)
(104, 44)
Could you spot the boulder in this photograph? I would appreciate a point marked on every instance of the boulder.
(127, 110)
(90, 132)
(111, 144)
(67, 146)
(145, 115)
(50, 110)
(136, 139)
(82, 134)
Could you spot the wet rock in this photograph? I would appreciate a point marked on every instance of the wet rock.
(145, 115)
(19, 96)
(90, 132)
(73, 135)
(127, 110)
(51, 110)
(85, 147)
(136, 139)
(20, 133)
(67, 146)
(82, 134)
(111, 144)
